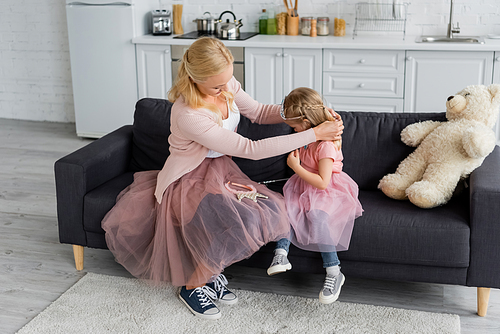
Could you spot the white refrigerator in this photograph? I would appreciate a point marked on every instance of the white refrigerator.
(102, 64)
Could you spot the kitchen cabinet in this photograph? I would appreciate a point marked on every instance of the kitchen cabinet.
(154, 70)
(271, 73)
(363, 80)
(432, 76)
(393, 78)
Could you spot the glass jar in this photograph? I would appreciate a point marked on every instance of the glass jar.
(306, 26)
(323, 29)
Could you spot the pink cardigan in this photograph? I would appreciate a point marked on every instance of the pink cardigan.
(195, 131)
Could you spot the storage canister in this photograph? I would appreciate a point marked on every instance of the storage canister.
(322, 27)
(306, 26)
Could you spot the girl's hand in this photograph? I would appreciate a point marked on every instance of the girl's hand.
(293, 160)
(330, 130)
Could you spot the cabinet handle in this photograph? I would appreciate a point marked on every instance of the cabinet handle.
(278, 54)
(362, 61)
(497, 58)
(409, 58)
(167, 51)
(361, 85)
(285, 54)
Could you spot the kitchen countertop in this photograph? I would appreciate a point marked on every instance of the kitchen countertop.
(332, 42)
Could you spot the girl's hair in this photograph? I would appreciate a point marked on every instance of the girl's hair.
(205, 58)
(307, 103)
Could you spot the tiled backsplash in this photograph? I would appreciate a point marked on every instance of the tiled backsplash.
(424, 16)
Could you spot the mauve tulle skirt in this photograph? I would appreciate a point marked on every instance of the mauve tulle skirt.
(199, 228)
(322, 220)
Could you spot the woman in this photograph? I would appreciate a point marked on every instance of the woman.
(187, 222)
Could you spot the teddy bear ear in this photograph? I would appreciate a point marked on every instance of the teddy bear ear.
(495, 93)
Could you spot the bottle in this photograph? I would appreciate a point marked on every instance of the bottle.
(263, 22)
(271, 22)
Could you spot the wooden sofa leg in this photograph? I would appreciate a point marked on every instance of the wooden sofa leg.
(78, 253)
(483, 298)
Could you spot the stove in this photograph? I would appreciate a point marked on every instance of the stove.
(196, 34)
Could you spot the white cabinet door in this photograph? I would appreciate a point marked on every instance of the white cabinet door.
(264, 74)
(271, 73)
(301, 68)
(339, 103)
(154, 70)
(496, 80)
(363, 84)
(364, 61)
(432, 76)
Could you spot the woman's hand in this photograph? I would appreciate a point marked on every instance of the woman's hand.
(334, 114)
(330, 130)
(293, 160)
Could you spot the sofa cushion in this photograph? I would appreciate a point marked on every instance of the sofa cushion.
(372, 144)
(406, 234)
(151, 129)
(398, 232)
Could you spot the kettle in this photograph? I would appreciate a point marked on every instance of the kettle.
(228, 30)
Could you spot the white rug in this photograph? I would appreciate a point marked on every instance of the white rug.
(108, 304)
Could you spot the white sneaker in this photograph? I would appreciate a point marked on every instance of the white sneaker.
(331, 288)
(280, 264)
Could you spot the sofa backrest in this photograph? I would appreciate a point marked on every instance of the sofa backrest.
(371, 142)
(150, 146)
(151, 129)
(372, 146)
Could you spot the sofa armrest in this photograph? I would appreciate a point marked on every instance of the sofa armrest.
(484, 270)
(83, 170)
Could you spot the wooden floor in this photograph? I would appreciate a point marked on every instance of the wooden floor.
(35, 269)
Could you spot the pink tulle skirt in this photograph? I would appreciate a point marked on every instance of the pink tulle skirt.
(199, 228)
(322, 220)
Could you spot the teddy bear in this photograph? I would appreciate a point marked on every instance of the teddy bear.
(446, 152)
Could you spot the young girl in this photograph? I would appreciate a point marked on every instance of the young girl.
(321, 200)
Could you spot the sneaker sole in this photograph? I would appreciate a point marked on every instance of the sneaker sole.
(228, 302)
(279, 269)
(332, 298)
(201, 315)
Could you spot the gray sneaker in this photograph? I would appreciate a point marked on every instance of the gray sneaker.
(331, 288)
(280, 264)
(224, 295)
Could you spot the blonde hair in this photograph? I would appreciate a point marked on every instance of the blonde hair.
(205, 58)
(307, 103)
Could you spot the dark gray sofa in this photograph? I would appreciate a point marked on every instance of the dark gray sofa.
(458, 243)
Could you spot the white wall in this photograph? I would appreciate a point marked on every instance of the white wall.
(35, 75)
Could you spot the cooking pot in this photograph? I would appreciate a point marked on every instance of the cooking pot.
(206, 24)
(228, 30)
